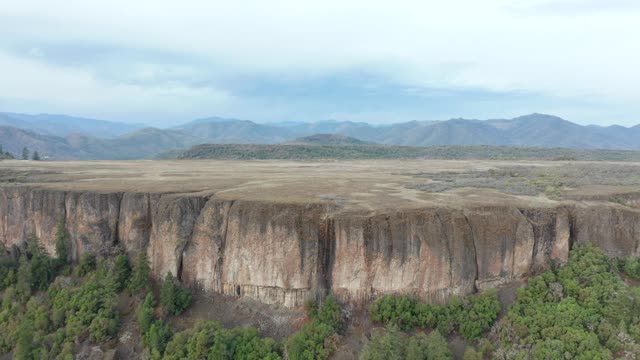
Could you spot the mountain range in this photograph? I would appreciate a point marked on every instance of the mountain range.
(66, 137)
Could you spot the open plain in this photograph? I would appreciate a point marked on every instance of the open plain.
(364, 184)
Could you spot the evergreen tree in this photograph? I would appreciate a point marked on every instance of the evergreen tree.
(25, 153)
(87, 264)
(23, 285)
(173, 299)
(62, 247)
(42, 266)
(140, 277)
(157, 337)
(144, 314)
(387, 344)
(25, 347)
(122, 271)
(437, 347)
(36, 156)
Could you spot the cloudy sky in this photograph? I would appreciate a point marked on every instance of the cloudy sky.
(379, 61)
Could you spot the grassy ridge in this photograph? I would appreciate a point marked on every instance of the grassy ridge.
(354, 152)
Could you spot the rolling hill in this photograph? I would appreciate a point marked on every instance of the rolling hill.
(375, 151)
(63, 125)
(233, 131)
(327, 139)
(140, 144)
(63, 137)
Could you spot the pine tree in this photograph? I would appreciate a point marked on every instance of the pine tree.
(122, 271)
(62, 247)
(42, 268)
(25, 153)
(23, 285)
(140, 277)
(168, 295)
(173, 299)
(25, 346)
(36, 156)
(144, 314)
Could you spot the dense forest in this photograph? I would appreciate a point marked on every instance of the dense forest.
(372, 152)
(51, 308)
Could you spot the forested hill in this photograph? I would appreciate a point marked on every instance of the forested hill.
(354, 152)
(63, 137)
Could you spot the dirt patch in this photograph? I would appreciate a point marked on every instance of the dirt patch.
(271, 321)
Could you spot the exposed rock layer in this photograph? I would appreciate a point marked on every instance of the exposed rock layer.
(285, 253)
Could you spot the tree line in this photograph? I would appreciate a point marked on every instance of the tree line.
(26, 154)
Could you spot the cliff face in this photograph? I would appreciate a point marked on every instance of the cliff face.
(285, 253)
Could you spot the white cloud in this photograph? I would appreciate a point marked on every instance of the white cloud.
(75, 91)
(556, 48)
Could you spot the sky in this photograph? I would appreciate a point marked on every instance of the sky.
(164, 62)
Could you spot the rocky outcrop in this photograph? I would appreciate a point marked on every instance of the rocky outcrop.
(286, 253)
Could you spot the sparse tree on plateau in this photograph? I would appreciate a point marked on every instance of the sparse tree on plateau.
(25, 153)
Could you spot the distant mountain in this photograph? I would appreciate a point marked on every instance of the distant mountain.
(232, 131)
(531, 130)
(13, 140)
(140, 144)
(327, 139)
(63, 137)
(63, 125)
(349, 128)
(552, 131)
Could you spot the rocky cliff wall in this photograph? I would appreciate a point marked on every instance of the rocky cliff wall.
(285, 253)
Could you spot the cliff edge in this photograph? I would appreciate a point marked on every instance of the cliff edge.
(283, 232)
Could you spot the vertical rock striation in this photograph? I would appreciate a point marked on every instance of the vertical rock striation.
(286, 253)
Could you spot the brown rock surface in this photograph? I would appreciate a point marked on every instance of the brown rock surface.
(282, 232)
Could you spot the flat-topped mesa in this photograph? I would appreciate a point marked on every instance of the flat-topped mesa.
(284, 253)
(283, 232)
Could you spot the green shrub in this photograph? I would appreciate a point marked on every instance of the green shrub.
(87, 264)
(207, 340)
(581, 311)
(157, 337)
(331, 314)
(386, 344)
(479, 314)
(70, 311)
(309, 342)
(173, 298)
(471, 316)
(390, 343)
(471, 354)
(631, 267)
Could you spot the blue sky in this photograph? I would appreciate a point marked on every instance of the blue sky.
(163, 62)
